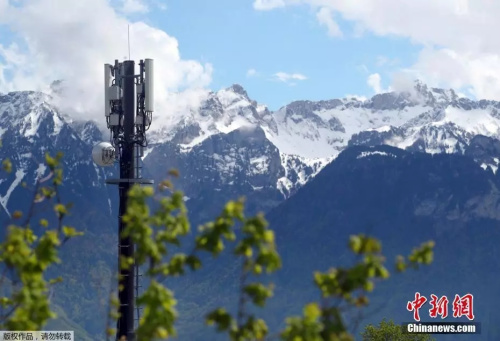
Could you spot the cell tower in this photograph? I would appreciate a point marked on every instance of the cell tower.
(128, 107)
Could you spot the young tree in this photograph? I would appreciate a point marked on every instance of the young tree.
(26, 257)
(388, 331)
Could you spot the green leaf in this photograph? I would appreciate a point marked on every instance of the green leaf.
(60, 210)
(312, 311)
(193, 262)
(56, 280)
(174, 172)
(368, 286)
(258, 293)
(71, 232)
(7, 165)
(220, 318)
(355, 244)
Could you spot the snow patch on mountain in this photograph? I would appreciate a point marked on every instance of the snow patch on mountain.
(58, 123)
(477, 122)
(366, 154)
(494, 168)
(298, 171)
(284, 185)
(98, 181)
(493, 165)
(40, 171)
(260, 165)
(30, 124)
(382, 129)
(146, 151)
(226, 164)
(311, 135)
(4, 200)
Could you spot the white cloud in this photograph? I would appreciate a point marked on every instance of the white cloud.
(374, 81)
(251, 72)
(480, 72)
(71, 40)
(288, 77)
(325, 18)
(134, 6)
(458, 31)
(265, 5)
(404, 81)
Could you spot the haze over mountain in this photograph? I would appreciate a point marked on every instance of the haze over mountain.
(232, 146)
(403, 198)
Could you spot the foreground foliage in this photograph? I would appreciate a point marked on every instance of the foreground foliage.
(388, 331)
(26, 257)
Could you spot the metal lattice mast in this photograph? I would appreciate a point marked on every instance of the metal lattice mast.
(129, 104)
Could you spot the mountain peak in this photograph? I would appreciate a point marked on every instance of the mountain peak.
(430, 95)
(238, 89)
(29, 112)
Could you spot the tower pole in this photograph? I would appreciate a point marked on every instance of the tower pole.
(125, 325)
(128, 108)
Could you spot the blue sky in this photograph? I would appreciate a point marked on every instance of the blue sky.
(296, 49)
(235, 38)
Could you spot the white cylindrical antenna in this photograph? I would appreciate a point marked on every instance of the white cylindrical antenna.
(103, 154)
(149, 85)
(108, 78)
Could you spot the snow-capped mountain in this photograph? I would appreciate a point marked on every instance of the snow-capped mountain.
(485, 151)
(445, 124)
(230, 110)
(290, 146)
(308, 135)
(29, 127)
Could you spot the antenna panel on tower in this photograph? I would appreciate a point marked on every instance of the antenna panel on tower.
(115, 93)
(149, 85)
(108, 79)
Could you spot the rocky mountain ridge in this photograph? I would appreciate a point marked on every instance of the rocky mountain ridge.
(290, 145)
